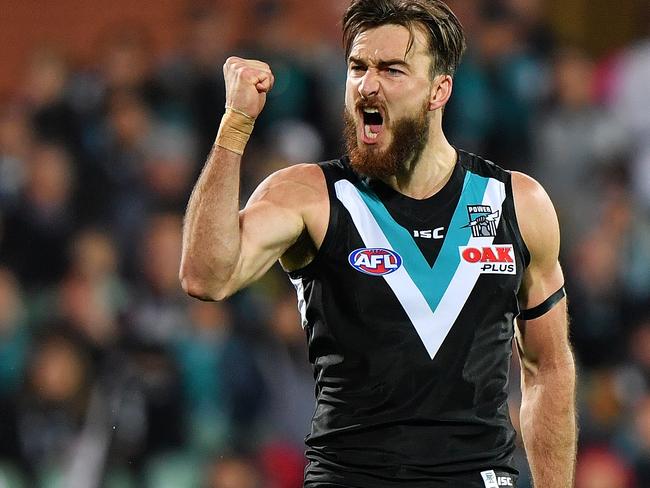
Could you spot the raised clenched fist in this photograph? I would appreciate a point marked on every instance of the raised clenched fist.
(247, 83)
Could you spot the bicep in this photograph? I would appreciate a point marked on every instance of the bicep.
(267, 230)
(283, 209)
(270, 223)
(542, 341)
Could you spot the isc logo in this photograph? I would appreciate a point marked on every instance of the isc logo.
(375, 261)
(438, 233)
(490, 259)
(492, 480)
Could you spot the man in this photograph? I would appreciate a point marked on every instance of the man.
(411, 260)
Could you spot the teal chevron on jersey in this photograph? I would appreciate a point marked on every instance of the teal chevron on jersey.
(432, 296)
(432, 281)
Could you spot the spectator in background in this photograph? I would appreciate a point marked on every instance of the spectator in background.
(168, 167)
(52, 406)
(468, 111)
(292, 98)
(538, 35)
(43, 219)
(119, 190)
(95, 258)
(287, 142)
(609, 292)
(119, 104)
(499, 84)
(598, 318)
(74, 417)
(85, 313)
(574, 140)
(53, 116)
(284, 363)
(159, 384)
(128, 64)
(116, 416)
(632, 107)
(156, 317)
(145, 165)
(159, 312)
(223, 389)
(193, 77)
(515, 80)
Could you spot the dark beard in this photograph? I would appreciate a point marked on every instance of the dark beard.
(410, 135)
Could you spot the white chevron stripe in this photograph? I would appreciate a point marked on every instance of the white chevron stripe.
(466, 275)
(409, 295)
(432, 326)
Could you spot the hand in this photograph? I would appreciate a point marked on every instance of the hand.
(247, 83)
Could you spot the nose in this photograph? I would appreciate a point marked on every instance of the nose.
(369, 84)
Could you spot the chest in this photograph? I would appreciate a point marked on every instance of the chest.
(430, 264)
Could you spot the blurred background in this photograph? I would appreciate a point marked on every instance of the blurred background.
(110, 376)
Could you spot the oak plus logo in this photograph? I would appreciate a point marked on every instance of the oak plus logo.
(375, 261)
(495, 259)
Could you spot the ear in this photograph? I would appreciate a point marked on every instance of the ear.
(440, 91)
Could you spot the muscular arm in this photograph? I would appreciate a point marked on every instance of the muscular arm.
(547, 416)
(225, 249)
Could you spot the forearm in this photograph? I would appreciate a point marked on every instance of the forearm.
(548, 424)
(211, 235)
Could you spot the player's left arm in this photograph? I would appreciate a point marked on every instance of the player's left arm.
(548, 417)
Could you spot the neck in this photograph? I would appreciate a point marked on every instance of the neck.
(426, 175)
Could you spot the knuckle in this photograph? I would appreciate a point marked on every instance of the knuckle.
(247, 73)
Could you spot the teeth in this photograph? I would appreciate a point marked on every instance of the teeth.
(371, 110)
(369, 134)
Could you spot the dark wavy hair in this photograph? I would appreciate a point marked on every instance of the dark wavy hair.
(443, 29)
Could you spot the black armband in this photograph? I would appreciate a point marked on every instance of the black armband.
(545, 306)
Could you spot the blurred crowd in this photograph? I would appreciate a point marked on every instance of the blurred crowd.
(110, 376)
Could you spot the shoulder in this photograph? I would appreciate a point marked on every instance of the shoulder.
(295, 186)
(531, 200)
(536, 217)
(305, 174)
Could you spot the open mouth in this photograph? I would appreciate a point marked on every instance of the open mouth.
(372, 122)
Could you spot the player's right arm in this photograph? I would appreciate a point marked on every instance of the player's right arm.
(225, 249)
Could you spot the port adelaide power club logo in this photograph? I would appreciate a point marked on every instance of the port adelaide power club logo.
(482, 220)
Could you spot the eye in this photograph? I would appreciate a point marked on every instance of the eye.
(357, 68)
(394, 71)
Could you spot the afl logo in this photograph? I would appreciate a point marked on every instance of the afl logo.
(375, 261)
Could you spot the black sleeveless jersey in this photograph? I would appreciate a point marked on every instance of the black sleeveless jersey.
(409, 308)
